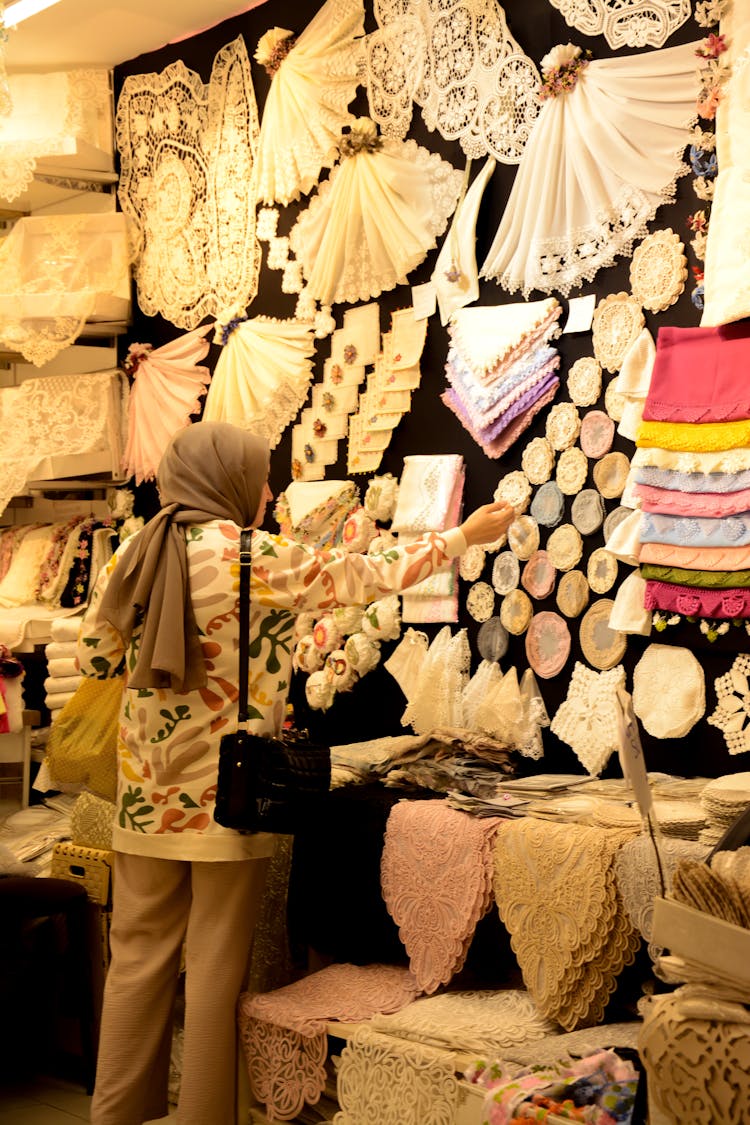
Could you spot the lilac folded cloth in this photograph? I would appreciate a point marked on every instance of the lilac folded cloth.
(700, 375)
(695, 602)
(502, 443)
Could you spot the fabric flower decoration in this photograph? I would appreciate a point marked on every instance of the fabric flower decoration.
(703, 163)
(339, 671)
(319, 691)
(307, 656)
(120, 502)
(362, 653)
(273, 47)
(359, 531)
(381, 620)
(380, 497)
(347, 618)
(326, 636)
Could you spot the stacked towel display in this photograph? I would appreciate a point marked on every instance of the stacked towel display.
(63, 675)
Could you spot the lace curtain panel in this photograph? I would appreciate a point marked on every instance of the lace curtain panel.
(600, 160)
(65, 115)
(57, 272)
(188, 155)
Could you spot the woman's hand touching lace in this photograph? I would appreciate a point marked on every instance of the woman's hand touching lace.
(488, 523)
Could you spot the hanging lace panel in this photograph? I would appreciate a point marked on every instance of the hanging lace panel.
(187, 156)
(626, 23)
(477, 85)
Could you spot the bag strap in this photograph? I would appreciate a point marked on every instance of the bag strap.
(245, 561)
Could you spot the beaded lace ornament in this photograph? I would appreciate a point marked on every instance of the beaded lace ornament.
(587, 720)
(565, 547)
(570, 215)
(658, 270)
(523, 537)
(538, 460)
(585, 381)
(563, 425)
(669, 694)
(477, 86)
(602, 646)
(187, 159)
(436, 880)
(626, 23)
(733, 705)
(601, 570)
(572, 470)
(618, 320)
(556, 893)
(306, 106)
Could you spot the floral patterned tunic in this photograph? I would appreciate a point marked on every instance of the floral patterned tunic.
(169, 741)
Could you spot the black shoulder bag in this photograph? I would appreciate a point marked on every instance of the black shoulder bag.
(266, 784)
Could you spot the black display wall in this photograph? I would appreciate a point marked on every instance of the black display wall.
(374, 706)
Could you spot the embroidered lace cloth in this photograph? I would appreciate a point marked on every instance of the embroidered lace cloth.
(436, 880)
(669, 693)
(578, 199)
(711, 504)
(496, 438)
(490, 338)
(187, 176)
(425, 492)
(732, 711)
(373, 221)
(705, 579)
(442, 676)
(556, 893)
(483, 1023)
(587, 720)
(696, 531)
(626, 23)
(476, 86)
(696, 558)
(262, 376)
(167, 389)
(485, 401)
(306, 105)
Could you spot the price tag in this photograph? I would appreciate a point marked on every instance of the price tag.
(580, 313)
(631, 753)
(424, 300)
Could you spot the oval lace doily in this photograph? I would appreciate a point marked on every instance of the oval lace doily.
(563, 425)
(587, 511)
(618, 320)
(515, 489)
(505, 573)
(547, 644)
(611, 474)
(480, 601)
(516, 612)
(614, 402)
(669, 691)
(597, 434)
(492, 640)
(548, 506)
(538, 578)
(573, 593)
(565, 547)
(585, 381)
(471, 563)
(658, 270)
(523, 537)
(538, 460)
(601, 570)
(603, 647)
(572, 470)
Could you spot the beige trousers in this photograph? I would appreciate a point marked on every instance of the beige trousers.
(157, 903)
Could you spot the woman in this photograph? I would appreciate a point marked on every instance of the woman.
(165, 615)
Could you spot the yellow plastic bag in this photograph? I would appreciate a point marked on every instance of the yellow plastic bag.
(82, 743)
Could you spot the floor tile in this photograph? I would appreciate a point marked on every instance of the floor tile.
(38, 1114)
(63, 1095)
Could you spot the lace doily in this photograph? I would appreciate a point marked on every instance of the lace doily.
(505, 572)
(547, 644)
(614, 402)
(555, 891)
(733, 705)
(480, 601)
(601, 570)
(626, 23)
(585, 381)
(565, 547)
(516, 612)
(492, 640)
(373, 221)
(658, 270)
(480, 1023)
(587, 511)
(441, 678)
(471, 563)
(403, 1083)
(436, 880)
(514, 488)
(597, 434)
(477, 86)
(538, 460)
(538, 578)
(393, 61)
(617, 323)
(572, 593)
(587, 720)
(187, 177)
(563, 425)
(611, 474)
(548, 505)
(523, 537)
(602, 646)
(572, 470)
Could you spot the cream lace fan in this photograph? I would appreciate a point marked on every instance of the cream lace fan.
(375, 219)
(167, 389)
(306, 107)
(600, 160)
(262, 376)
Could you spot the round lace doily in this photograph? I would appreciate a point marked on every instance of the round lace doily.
(565, 547)
(516, 612)
(585, 381)
(538, 460)
(611, 474)
(587, 511)
(614, 402)
(572, 470)
(505, 573)
(669, 691)
(603, 647)
(573, 593)
(547, 644)
(480, 601)
(614, 519)
(538, 577)
(618, 320)
(597, 434)
(658, 270)
(601, 570)
(471, 563)
(492, 640)
(515, 489)
(523, 537)
(563, 425)
(548, 505)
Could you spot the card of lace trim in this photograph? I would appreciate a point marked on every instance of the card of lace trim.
(567, 218)
(187, 160)
(587, 720)
(626, 23)
(476, 84)
(658, 270)
(306, 106)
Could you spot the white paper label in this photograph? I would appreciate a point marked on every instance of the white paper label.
(424, 300)
(580, 314)
(631, 753)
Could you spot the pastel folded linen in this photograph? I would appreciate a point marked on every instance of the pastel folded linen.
(677, 481)
(725, 604)
(484, 396)
(513, 431)
(696, 531)
(705, 579)
(672, 502)
(694, 437)
(65, 629)
(696, 558)
(56, 700)
(700, 375)
(487, 434)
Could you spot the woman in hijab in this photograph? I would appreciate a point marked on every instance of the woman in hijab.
(164, 615)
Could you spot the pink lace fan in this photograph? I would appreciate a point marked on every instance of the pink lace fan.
(168, 385)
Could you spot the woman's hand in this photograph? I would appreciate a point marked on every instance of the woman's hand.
(488, 523)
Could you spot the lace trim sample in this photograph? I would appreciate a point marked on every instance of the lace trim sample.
(722, 470)
(188, 154)
(696, 579)
(725, 604)
(556, 893)
(306, 105)
(696, 531)
(587, 720)
(699, 437)
(436, 880)
(567, 219)
(373, 221)
(696, 558)
(476, 85)
(626, 23)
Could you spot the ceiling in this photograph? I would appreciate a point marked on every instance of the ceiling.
(75, 33)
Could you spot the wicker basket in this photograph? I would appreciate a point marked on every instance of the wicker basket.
(91, 867)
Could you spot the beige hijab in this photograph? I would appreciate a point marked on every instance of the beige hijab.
(210, 470)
